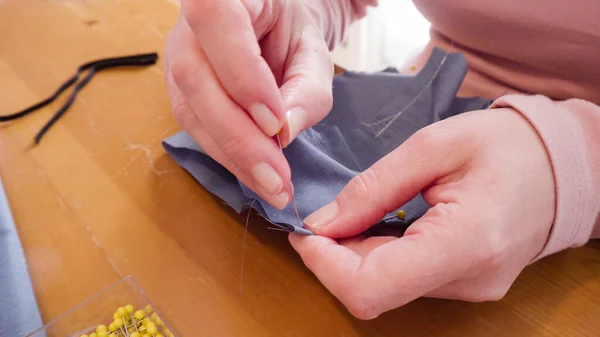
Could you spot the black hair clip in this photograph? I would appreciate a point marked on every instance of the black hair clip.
(93, 67)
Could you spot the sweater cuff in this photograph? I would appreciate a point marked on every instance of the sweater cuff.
(564, 138)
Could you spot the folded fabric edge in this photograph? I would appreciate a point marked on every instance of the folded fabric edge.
(175, 152)
(248, 204)
(284, 226)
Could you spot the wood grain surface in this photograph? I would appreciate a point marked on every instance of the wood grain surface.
(99, 199)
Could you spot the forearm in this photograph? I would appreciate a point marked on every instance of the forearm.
(571, 132)
(335, 16)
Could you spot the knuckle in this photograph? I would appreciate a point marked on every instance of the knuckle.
(236, 79)
(361, 298)
(493, 251)
(364, 183)
(234, 146)
(232, 167)
(496, 293)
(363, 307)
(364, 312)
(491, 293)
(182, 114)
(256, 8)
(180, 69)
(429, 139)
(444, 212)
(200, 12)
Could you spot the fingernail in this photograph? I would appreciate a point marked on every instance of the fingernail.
(265, 119)
(323, 216)
(279, 201)
(267, 178)
(296, 119)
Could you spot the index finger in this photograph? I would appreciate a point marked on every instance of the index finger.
(224, 30)
(395, 273)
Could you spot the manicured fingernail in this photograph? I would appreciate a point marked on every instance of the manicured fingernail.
(279, 201)
(323, 216)
(265, 119)
(296, 119)
(267, 178)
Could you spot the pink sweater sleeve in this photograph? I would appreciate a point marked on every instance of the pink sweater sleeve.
(571, 132)
(569, 129)
(336, 16)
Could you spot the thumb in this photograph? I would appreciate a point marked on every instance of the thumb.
(389, 183)
(376, 276)
(307, 83)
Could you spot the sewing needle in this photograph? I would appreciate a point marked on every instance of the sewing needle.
(291, 190)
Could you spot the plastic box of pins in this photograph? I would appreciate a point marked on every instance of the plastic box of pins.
(121, 310)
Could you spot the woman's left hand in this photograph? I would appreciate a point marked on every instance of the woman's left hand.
(490, 181)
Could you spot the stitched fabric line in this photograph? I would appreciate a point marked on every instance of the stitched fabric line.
(325, 157)
(414, 99)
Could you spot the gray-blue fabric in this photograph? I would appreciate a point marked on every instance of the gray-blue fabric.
(19, 313)
(372, 114)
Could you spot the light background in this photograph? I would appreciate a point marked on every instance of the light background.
(388, 36)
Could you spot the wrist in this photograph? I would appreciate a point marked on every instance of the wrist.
(576, 192)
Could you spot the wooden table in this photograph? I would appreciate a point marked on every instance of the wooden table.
(101, 181)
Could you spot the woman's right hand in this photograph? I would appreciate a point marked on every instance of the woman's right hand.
(240, 72)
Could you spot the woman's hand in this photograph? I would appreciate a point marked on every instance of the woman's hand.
(238, 73)
(489, 179)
